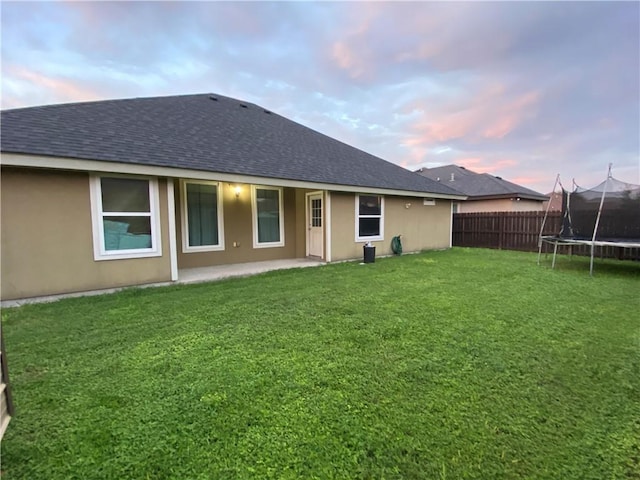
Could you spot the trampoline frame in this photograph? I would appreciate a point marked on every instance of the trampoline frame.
(557, 240)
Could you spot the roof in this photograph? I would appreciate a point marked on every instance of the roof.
(479, 186)
(204, 132)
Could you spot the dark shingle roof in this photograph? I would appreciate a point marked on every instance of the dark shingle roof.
(204, 132)
(478, 185)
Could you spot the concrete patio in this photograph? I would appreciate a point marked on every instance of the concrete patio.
(187, 276)
(218, 272)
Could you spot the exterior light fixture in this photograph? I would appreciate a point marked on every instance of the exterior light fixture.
(236, 190)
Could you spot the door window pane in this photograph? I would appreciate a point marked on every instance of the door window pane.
(316, 212)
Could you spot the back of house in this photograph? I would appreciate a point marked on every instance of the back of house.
(128, 192)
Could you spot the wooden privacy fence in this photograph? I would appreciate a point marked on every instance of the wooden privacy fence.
(520, 231)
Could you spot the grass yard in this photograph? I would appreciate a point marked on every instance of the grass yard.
(466, 363)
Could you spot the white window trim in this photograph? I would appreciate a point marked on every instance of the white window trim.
(99, 250)
(185, 223)
(375, 238)
(254, 214)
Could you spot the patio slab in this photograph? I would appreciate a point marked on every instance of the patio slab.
(218, 272)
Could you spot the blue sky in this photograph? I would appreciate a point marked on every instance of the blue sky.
(517, 89)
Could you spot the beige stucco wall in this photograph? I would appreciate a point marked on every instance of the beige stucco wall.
(238, 227)
(422, 227)
(47, 245)
(499, 205)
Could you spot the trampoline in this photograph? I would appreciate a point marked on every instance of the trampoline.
(607, 215)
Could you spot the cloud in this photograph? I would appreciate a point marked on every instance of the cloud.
(29, 82)
(491, 114)
(519, 89)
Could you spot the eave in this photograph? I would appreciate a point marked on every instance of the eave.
(100, 166)
(507, 196)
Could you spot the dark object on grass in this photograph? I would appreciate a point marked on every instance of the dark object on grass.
(369, 253)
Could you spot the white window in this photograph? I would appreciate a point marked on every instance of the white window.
(124, 212)
(268, 217)
(369, 218)
(202, 222)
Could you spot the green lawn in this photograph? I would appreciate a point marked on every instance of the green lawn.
(466, 363)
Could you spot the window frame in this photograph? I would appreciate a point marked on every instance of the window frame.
(254, 214)
(186, 248)
(372, 238)
(97, 216)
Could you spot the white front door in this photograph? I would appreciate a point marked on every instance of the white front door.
(314, 227)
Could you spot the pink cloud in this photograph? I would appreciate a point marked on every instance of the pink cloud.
(443, 126)
(354, 50)
(473, 163)
(484, 114)
(347, 59)
(500, 127)
(416, 156)
(488, 115)
(488, 165)
(60, 89)
(511, 115)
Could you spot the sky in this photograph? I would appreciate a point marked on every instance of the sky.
(521, 90)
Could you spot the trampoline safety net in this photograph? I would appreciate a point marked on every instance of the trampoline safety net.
(619, 218)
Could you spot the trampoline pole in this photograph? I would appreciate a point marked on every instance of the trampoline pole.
(595, 227)
(544, 219)
(555, 250)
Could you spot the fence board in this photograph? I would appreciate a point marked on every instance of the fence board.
(520, 231)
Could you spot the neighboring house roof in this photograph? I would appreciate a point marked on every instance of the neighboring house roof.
(478, 186)
(203, 132)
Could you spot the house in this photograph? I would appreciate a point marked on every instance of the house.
(485, 192)
(127, 192)
(553, 202)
